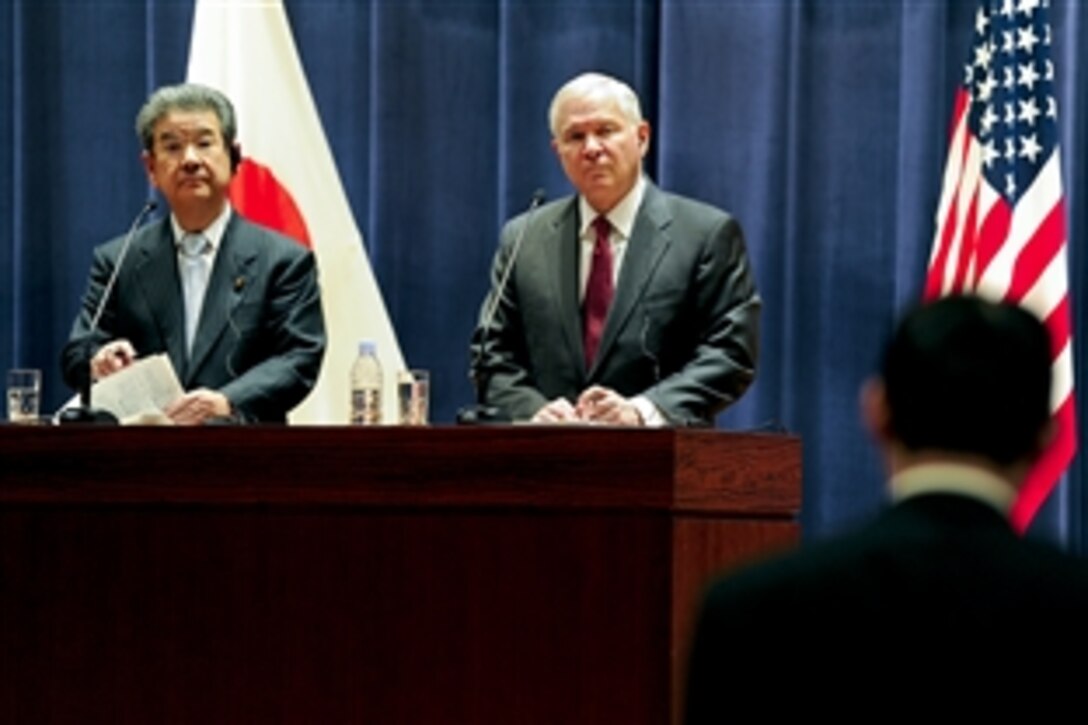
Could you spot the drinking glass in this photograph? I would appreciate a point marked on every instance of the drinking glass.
(24, 395)
(413, 396)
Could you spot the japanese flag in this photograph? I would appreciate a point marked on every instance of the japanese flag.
(288, 181)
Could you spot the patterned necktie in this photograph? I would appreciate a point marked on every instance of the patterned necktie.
(194, 281)
(598, 290)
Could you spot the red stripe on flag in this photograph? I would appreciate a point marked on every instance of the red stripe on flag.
(935, 275)
(1059, 323)
(948, 229)
(967, 251)
(1047, 241)
(960, 104)
(1048, 469)
(992, 235)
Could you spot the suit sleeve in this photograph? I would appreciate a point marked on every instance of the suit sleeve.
(294, 323)
(500, 360)
(721, 363)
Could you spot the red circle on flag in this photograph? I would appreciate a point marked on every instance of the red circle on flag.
(257, 194)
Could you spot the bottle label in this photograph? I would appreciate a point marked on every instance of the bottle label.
(366, 406)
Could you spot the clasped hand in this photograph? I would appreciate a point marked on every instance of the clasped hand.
(596, 404)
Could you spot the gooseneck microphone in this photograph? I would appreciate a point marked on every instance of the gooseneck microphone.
(481, 413)
(85, 413)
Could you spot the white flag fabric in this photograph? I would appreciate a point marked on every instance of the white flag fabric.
(288, 181)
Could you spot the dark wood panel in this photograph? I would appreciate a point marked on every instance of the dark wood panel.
(388, 575)
(706, 471)
(243, 616)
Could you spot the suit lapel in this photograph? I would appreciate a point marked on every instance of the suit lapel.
(564, 275)
(645, 248)
(226, 288)
(156, 273)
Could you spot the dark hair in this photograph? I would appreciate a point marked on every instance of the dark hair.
(185, 97)
(970, 376)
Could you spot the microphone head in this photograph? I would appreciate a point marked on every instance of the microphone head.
(538, 197)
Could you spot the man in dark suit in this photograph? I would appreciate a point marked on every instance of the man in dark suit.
(626, 305)
(235, 306)
(938, 592)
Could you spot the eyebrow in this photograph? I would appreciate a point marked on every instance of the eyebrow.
(171, 134)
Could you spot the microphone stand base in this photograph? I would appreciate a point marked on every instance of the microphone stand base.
(482, 415)
(86, 416)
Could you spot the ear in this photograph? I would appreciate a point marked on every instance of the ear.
(148, 161)
(875, 411)
(235, 157)
(643, 132)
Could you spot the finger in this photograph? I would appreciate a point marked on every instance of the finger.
(179, 407)
(555, 411)
(124, 352)
(112, 357)
(593, 395)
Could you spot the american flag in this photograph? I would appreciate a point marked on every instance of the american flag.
(1001, 219)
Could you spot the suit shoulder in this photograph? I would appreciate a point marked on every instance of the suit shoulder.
(270, 240)
(149, 233)
(687, 207)
(548, 213)
(812, 565)
(690, 219)
(545, 217)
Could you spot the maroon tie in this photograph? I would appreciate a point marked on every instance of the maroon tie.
(598, 290)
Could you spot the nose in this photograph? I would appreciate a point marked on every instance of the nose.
(592, 146)
(191, 159)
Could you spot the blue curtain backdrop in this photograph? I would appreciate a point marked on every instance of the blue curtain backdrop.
(822, 125)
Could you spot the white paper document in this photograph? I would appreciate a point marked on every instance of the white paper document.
(140, 392)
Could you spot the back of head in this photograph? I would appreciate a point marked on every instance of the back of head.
(965, 375)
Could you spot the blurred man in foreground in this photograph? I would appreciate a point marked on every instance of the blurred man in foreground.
(938, 592)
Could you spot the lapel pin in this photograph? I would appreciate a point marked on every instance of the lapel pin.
(239, 283)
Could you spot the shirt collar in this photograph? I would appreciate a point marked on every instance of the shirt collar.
(213, 232)
(954, 478)
(622, 215)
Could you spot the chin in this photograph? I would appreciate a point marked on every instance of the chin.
(199, 193)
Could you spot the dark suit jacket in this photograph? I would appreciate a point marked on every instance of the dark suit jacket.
(682, 329)
(937, 590)
(261, 335)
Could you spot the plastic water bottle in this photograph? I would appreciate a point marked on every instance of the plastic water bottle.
(366, 386)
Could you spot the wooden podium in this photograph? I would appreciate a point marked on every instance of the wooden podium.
(384, 575)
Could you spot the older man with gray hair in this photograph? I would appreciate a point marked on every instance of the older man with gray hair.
(235, 306)
(625, 305)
